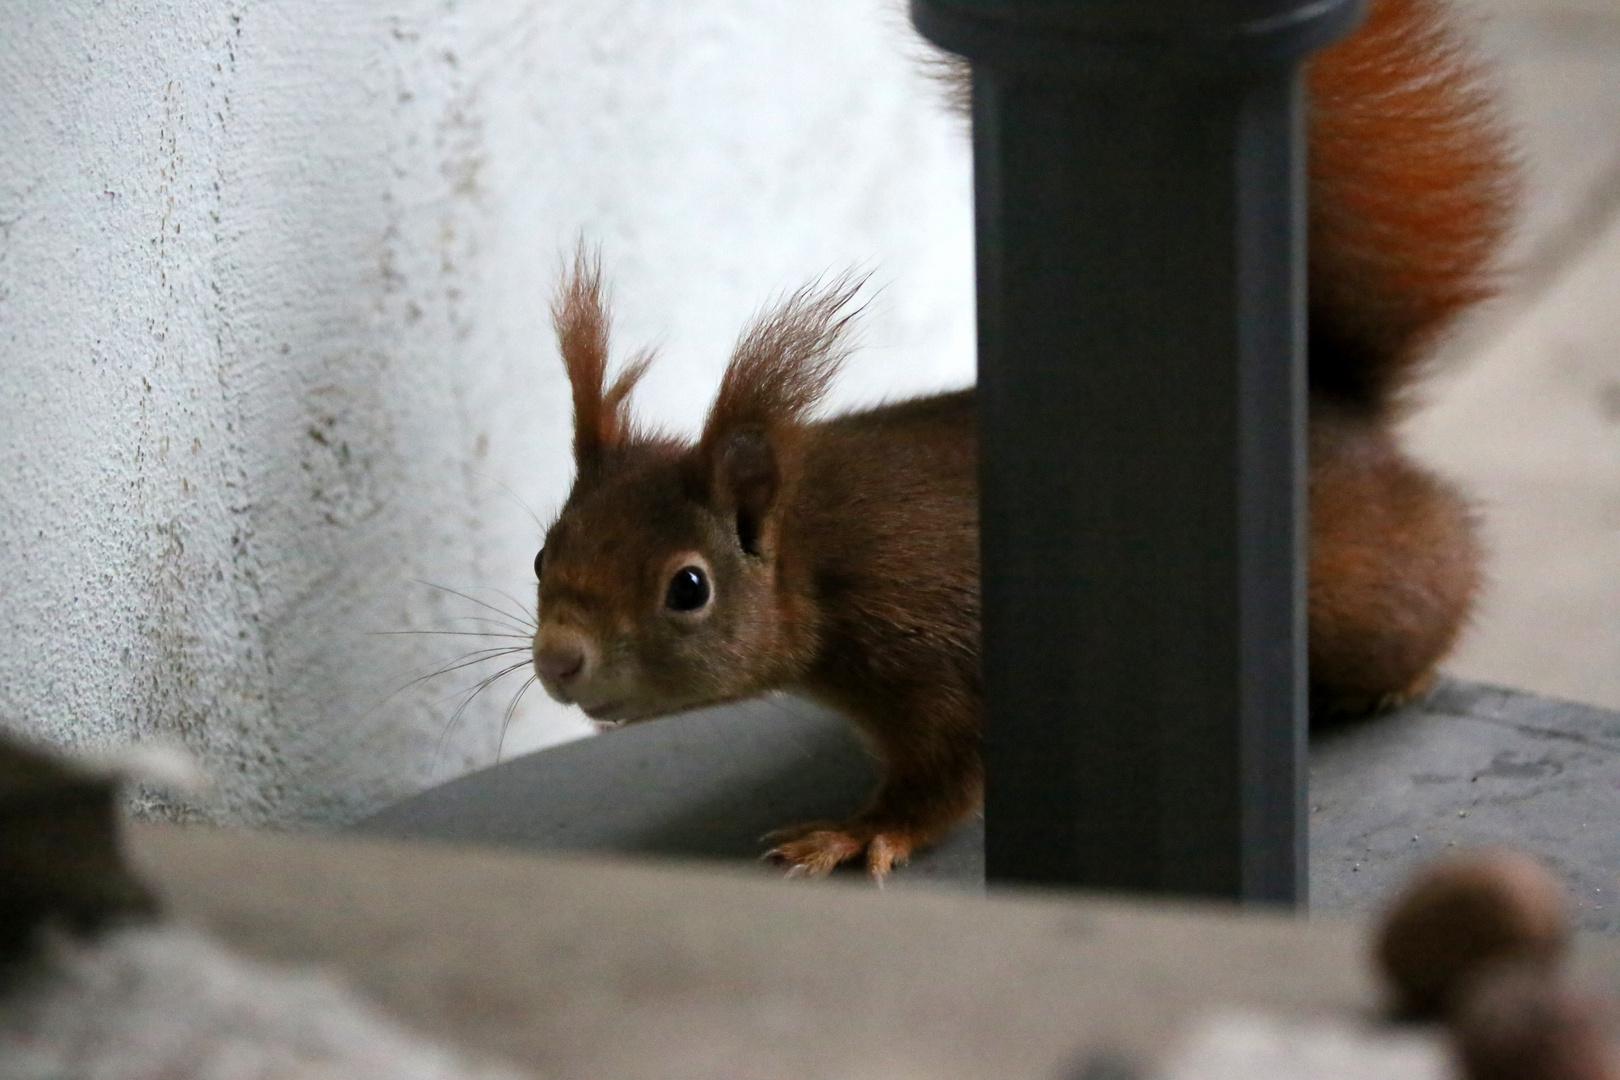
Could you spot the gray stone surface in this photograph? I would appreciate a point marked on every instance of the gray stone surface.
(708, 784)
(1466, 766)
(587, 968)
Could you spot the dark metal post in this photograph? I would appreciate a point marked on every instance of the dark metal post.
(1139, 187)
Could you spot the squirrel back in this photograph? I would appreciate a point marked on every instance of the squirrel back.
(839, 558)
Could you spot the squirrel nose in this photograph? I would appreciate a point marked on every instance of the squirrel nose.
(559, 661)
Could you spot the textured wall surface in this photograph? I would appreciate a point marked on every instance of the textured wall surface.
(274, 348)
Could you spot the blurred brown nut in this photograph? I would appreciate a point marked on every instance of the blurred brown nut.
(1519, 1022)
(1462, 913)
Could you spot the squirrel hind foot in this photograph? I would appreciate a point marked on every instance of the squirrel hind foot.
(1332, 704)
(816, 849)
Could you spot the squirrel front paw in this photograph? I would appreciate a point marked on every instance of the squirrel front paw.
(814, 849)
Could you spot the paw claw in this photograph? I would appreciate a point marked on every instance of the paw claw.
(790, 833)
(815, 850)
(884, 852)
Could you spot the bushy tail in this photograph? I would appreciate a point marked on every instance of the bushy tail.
(1411, 185)
(1411, 190)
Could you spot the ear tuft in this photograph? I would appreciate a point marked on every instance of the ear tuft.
(579, 314)
(781, 368)
(785, 361)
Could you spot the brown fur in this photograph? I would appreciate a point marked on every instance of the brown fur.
(1411, 193)
(816, 590)
(1394, 567)
(601, 413)
(1412, 188)
(842, 555)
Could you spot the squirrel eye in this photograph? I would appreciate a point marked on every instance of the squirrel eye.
(688, 590)
(539, 557)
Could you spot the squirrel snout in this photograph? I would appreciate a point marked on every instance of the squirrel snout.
(560, 664)
(559, 659)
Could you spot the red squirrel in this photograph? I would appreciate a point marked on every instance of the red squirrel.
(838, 559)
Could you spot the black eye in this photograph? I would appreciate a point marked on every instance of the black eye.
(688, 589)
(539, 557)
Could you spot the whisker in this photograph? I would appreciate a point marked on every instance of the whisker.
(465, 660)
(358, 729)
(521, 606)
(436, 702)
(510, 598)
(521, 619)
(467, 697)
(455, 717)
(476, 656)
(514, 628)
(508, 632)
(449, 633)
(527, 509)
(511, 710)
(462, 661)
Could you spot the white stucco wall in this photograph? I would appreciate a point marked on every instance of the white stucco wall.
(274, 344)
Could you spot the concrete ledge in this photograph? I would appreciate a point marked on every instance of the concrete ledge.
(1467, 765)
(586, 968)
(707, 784)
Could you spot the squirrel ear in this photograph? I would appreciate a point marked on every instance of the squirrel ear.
(601, 412)
(782, 365)
(747, 478)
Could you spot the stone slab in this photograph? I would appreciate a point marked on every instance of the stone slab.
(1468, 765)
(579, 967)
(707, 784)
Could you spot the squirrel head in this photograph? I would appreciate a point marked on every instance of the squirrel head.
(665, 583)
